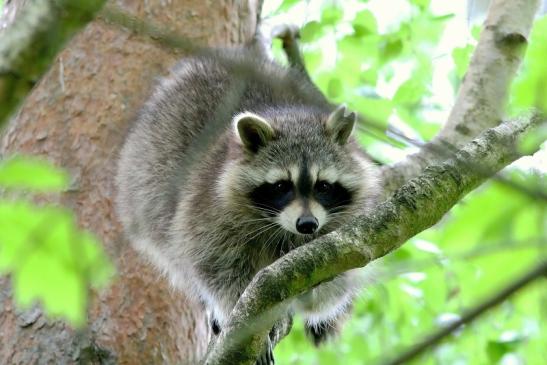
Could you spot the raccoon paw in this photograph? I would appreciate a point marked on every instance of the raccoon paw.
(322, 332)
(266, 357)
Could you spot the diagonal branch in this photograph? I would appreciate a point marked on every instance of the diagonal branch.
(29, 45)
(538, 271)
(482, 96)
(414, 207)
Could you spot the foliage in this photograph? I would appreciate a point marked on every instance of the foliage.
(49, 258)
(530, 89)
(387, 73)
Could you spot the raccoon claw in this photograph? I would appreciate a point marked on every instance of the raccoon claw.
(266, 357)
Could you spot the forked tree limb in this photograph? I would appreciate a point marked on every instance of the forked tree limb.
(481, 100)
(416, 206)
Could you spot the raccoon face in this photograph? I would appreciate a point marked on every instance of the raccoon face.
(300, 199)
(297, 170)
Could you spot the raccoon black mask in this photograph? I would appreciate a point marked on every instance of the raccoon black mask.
(304, 187)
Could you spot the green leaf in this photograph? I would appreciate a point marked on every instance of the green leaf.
(286, 5)
(391, 48)
(532, 140)
(17, 222)
(62, 293)
(364, 23)
(369, 76)
(496, 349)
(33, 174)
(311, 32)
(50, 259)
(476, 32)
(353, 51)
(331, 14)
(423, 4)
(530, 88)
(461, 57)
(312, 59)
(375, 110)
(411, 91)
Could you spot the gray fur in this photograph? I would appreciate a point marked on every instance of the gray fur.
(187, 208)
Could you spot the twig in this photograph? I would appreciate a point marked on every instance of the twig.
(432, 340)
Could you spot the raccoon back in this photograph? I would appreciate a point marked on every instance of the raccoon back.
(189, 111)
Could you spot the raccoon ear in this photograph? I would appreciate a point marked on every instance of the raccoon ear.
(253, 130)
(339, 126)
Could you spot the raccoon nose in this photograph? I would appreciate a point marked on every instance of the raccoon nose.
(307, 224)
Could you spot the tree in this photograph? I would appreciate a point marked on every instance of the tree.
(76, 116)
(423, 200)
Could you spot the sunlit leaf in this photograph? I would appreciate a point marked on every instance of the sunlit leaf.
(311, 31)
(286, 5)
(532, 140)
(530, 88)
(364, 23)
(331, 14)
(31, 173)
(411, 91)
(51, 261)
(313, 59)
(376, 110)
(497, 349)
(476, 32)
(421, 3)
(461, 57)
(390, 48)
(354, 51)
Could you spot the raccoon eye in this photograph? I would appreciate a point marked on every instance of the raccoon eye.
(323, 187)
(282, 186)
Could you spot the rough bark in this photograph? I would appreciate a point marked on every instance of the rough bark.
(76, 116)
(414, 207)
(480, 103)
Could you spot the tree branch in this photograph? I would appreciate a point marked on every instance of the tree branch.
(482, 96)
(498, 297)
(30, 43)
(416, 206)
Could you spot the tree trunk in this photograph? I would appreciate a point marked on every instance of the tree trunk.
(77, 116)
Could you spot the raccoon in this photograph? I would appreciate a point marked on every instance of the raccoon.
(232, 162)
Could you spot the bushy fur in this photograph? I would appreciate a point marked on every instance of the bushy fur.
(190, 213)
